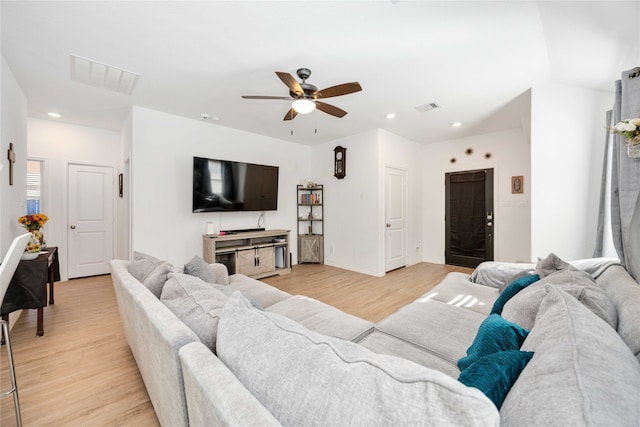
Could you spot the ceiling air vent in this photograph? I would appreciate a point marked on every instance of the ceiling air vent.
(427, 107)
(108, 77)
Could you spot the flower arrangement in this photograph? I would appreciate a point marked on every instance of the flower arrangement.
(630, 129)
(34, 221)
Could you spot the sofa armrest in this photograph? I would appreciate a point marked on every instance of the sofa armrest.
(214, 395)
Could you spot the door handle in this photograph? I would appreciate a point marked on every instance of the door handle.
(388, 225)
(73, 227)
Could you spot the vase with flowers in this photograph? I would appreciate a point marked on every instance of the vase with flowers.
(630, 129)
(33, 223)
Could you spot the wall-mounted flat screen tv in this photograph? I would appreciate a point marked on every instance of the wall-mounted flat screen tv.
(223, 185)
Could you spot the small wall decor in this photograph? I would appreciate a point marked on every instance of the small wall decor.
(120, 185)
(487, 155)
(453, 160)
(517, 184)
(468, 151)
(340, 162)
(11, 156)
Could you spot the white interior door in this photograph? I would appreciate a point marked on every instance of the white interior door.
(395, 219)
(90, 220)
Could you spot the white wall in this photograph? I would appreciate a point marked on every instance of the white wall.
(59, 144)
(352, 204)
(509, 157)
(13, 127)
(567, 148)
(163, 147)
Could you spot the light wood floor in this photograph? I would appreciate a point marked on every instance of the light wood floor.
(81, 372)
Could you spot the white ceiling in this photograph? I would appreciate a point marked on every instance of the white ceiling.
(475, 59)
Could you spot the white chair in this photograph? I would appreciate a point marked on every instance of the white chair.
(7, 269)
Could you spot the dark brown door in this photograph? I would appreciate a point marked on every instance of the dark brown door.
(469, 218)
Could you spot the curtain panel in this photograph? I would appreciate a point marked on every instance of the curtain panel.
(625, 181)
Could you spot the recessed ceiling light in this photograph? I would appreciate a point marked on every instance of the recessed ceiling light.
(56, 115)
(456, 124)
(205, 116)
(390, 116)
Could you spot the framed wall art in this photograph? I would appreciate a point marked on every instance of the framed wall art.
(517, 184)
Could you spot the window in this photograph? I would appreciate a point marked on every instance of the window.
(34, 186)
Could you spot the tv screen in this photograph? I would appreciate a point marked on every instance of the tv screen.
(222, 185)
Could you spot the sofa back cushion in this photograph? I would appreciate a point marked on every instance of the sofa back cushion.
(582, 373)
(624, 291)
(305, 378)
(197, 303)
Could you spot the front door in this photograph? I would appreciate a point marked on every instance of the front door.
(469, 218)
(90, 220)
(395, 219)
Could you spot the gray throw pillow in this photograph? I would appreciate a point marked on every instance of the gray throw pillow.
(522, 309)
(308, 379)
(199, 268)
(550, 264)
(151, 272)
(197, 303)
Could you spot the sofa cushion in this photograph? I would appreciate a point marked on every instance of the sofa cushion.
(495, 374)
(522, 308)
(323, 318)
(442, 329)
(151, 272)
(199, 268)
(521, 282)
(582, 373)
(306, 378)
(494, 334)
(382, 343)
(458, 291)
(196, 303)
(261, 292)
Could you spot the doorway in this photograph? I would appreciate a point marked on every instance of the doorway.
(469, 218)
(90, 219)
(395, 219)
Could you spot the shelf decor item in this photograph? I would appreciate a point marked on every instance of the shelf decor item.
(630, 129)
(33, 223)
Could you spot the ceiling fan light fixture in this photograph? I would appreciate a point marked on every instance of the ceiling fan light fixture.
(303, 106)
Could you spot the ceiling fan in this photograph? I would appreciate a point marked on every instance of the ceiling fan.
(306, 96)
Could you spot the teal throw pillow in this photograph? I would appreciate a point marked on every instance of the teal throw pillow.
(494, 334)
(513, 288)
(496, 373)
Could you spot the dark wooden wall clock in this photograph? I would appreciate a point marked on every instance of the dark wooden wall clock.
(340, 162)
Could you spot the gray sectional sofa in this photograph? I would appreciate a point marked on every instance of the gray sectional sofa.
(243, 353)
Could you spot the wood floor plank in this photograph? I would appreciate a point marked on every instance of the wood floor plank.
(82, 373)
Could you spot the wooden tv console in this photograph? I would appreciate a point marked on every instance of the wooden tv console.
(256, 254)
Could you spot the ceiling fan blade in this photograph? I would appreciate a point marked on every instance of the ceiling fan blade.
(265, 97)
(291, 114)
(291, 83)
(330, 109)
(343, 89)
